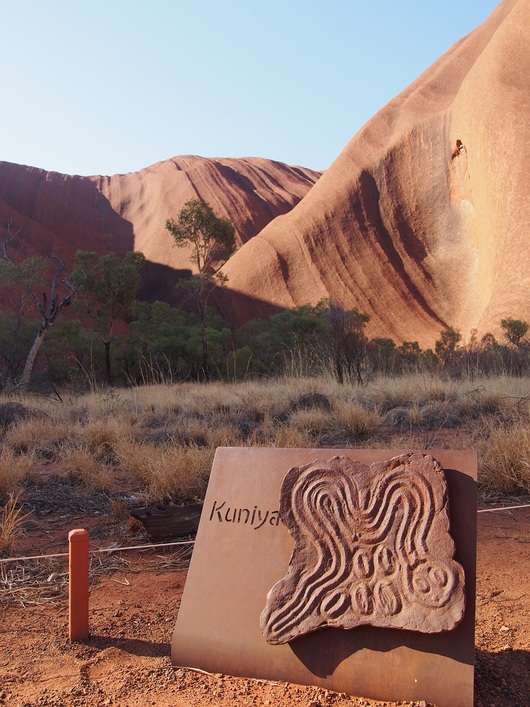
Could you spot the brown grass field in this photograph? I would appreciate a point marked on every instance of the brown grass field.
(158, 441)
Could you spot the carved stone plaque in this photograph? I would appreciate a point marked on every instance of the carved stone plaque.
(408, 568)
(372, 546)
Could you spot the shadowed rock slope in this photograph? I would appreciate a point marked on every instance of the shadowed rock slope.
(422, 221)
(128, 211)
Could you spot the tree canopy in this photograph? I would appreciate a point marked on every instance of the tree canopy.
(211, 237)
(514, 330)
(212, 241)
(108, 286)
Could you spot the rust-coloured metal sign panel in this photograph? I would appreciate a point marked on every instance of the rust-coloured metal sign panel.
(274, 526)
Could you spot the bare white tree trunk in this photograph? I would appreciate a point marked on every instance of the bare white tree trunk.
(48, 310)
(32, 357)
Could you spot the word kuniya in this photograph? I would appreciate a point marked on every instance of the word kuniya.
(255, 518)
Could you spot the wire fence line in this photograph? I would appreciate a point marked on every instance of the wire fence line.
(98, 551)
(187, 542)
(505, 508)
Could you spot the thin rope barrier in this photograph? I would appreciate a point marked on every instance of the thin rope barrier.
(96, 552)
(33, 557)
(506, 508)
(188, 542)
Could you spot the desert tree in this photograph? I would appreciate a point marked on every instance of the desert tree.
(165, 342)
(447, 348)
(17, 333)
(44, 287)
(295, 339)
(210, 240)
(346, 342)
(383, 355)
(514, 330)
(108, 285)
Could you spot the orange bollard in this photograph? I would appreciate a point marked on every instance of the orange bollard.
(78, 585)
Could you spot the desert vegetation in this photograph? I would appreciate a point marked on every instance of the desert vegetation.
(114, 338)
(155, 443)
(158, 343)
(131, 399)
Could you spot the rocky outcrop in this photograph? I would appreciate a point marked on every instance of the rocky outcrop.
(128, 211)
(422, 221)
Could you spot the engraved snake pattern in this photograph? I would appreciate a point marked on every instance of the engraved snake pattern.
(372, 546)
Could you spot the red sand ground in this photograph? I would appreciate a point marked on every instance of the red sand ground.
(133, 609)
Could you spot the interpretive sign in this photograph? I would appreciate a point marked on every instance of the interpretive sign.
(348, 569)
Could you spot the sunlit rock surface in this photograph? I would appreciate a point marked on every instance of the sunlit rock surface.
(128, 211)
(422, 221)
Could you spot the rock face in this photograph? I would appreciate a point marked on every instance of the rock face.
(128, 211)
(422, 221)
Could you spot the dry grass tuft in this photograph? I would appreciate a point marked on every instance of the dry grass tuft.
(83, 467)
(32, 583)
(355, 421)
(313, 423)
(286, 436)
(165, 472)
(44, 438)
(43, 581)
(224, 434)
(504, 459)
(12, 412)
(12, 520)
(14, 469)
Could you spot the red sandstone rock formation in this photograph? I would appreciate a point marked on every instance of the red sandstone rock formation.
(422, 221)
(128, 211)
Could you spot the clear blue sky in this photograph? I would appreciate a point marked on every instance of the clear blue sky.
(111, 86)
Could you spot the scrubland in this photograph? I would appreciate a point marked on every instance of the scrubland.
(158, 441)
